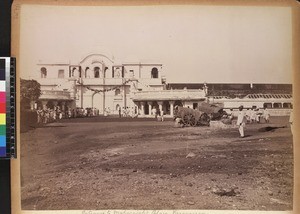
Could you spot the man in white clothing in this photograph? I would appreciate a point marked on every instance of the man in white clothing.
(241, 121)
(266, 114)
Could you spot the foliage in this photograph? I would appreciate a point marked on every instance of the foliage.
(30, 90)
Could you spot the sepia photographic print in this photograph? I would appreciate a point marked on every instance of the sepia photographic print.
(181, 107)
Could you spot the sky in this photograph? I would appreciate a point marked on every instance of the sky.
(195, 44)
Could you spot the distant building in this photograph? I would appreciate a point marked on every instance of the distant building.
(276, 97)
(97, 82)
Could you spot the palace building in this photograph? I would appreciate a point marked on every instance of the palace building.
(98, 82)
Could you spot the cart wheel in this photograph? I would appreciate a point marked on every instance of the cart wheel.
(189, 119)
(185, 119)
(193, 121)
(204, 119)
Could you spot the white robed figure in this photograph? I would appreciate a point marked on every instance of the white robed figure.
(241, 121)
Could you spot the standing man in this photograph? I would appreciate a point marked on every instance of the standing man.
(266, 114)
(162, 115)
(120, 115)
(241, 121)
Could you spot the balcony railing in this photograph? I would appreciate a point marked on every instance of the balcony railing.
(57, 95)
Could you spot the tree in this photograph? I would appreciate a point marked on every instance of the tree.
(30, 91)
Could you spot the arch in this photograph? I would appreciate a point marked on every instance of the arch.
(154, 73)
(97, 101)
(117, 107)
(106, 72)
(116, 72)
(96, 72)
(178, 103)
(277, 105)
(86, 72)
(287, 105)
(95, 55)
(43, 72)
(117, 92)
(267, 105)
(75, 73)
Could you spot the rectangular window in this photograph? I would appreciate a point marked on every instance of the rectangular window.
(131, 73)
(195, 105)
(61, 74)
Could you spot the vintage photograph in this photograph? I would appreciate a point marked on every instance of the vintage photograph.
(156, 107)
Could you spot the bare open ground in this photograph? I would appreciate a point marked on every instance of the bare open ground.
(96, 163)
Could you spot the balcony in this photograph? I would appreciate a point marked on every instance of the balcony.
(55, 95)
(102, 81)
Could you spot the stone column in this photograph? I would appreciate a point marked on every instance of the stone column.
(160, 103)
(63, 106)
(150, 108)
(142, 108)
(172, 108)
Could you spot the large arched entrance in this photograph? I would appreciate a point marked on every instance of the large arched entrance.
(178, 103)
(97, 101)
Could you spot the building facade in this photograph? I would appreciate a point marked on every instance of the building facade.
(98, 82)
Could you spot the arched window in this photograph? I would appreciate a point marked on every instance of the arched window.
(43, 72)
(74, 74)
(287, 105)
(154, 73)
(117, 92)
(267, 105)
(105, 72)
(86, 72)
(96, 72)
(277, 105)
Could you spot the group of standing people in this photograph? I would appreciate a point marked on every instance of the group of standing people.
(158, 114)
(81, 112)
(128, 112)
(49, 115)
(250, 116)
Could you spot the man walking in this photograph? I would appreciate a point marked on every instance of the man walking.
(241, 121)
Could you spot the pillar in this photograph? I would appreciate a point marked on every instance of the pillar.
(160, 105)
(63, 106)
(142, 108)
(172, 108)
(150, 107)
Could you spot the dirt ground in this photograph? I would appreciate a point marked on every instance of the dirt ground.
(111, 163)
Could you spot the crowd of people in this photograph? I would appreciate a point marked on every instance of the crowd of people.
(128, 112)
(49, 115)
(250, 116)
(254, 115)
